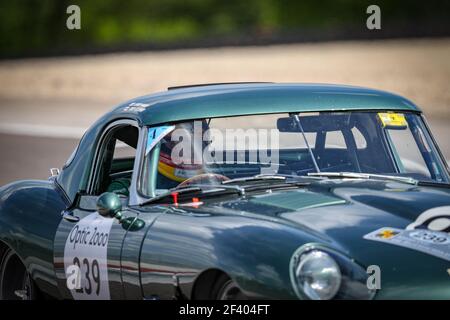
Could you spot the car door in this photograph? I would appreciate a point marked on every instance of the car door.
(88, 253)
(87, 245)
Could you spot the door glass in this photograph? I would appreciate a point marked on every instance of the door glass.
(409, 155)
(117, 162)
(335, 140)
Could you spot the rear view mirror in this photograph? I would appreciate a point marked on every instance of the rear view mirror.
(287, 124)
(323, 122)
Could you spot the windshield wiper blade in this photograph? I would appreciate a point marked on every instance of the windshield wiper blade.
(214, 188)
(357, 175)
(242, 190)
(434, 184)
(256, 178)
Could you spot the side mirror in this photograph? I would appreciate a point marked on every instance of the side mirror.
(109, 205)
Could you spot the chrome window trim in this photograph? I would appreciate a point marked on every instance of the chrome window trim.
(444, 162)
(135, 197)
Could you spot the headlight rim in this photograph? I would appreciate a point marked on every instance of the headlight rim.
(295, 261)
(319, 254)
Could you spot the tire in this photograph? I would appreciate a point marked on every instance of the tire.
(226, 289)
(15, 281)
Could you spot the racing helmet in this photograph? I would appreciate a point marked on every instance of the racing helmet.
(172, 169)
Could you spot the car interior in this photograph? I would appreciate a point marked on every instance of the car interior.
(341, 143)
(117, 161)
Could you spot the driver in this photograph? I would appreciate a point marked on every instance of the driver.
(170, 173)
(173, 173)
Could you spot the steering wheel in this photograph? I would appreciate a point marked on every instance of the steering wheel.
(204, 178)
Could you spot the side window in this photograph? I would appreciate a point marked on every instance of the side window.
(360, 141)
(116, 161)
(335, 140)
(294, 140)
(123, 151)
(409, 154)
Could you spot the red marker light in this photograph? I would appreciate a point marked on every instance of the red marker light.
(196, 202)
(175, 198)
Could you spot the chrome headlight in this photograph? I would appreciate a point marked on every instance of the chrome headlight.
(318, 275)
(321, 273)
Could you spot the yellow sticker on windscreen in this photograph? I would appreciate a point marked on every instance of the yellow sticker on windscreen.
(393, 120)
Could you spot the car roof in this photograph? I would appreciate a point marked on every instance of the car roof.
(222, 100)
(238, 99)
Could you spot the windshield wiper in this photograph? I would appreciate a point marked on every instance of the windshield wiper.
(357, 175)
(265, 182)
(256, 178)
(207, 189)
(434, 184)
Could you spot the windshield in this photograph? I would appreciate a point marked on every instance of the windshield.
(211, 151)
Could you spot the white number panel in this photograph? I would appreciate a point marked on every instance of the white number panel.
(85, 258)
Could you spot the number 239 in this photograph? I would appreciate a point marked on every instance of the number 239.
(92, 270)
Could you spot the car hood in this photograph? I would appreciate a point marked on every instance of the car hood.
(343, 212)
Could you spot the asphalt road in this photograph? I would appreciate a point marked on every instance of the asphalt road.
(31, 157)
(28, 157)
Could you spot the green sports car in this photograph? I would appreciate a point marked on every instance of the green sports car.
(238, 191)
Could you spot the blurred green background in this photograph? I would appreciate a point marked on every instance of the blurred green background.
(38, 27)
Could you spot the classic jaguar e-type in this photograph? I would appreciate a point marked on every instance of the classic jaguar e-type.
(238, 191)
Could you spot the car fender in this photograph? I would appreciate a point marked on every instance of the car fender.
(255, 253)
(30, 212)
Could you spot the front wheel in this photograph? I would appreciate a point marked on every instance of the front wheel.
(227, 289)
(15, 281)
